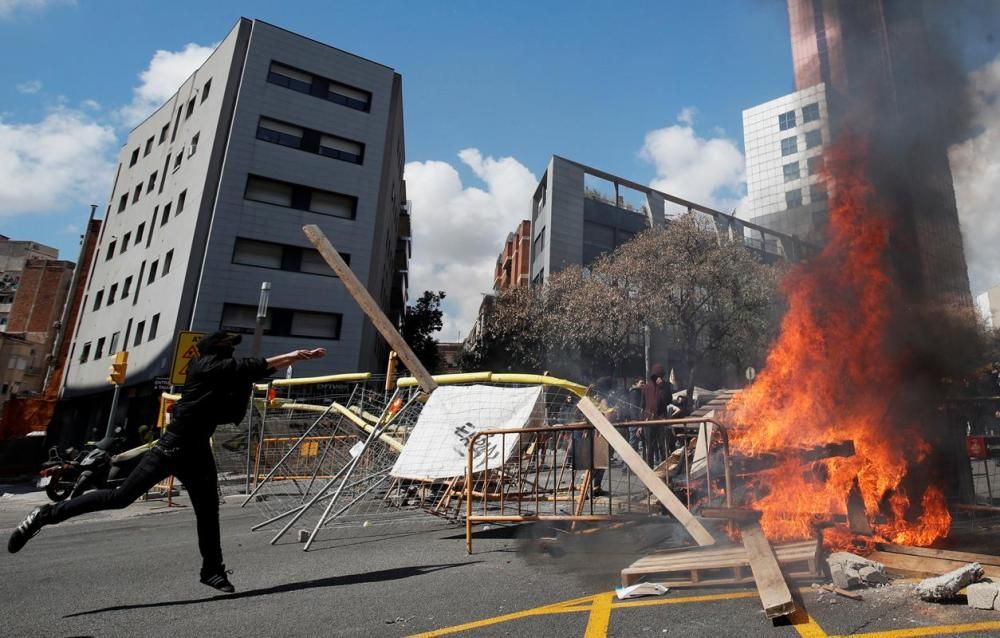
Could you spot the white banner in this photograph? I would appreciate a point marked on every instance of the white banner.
(438, 445)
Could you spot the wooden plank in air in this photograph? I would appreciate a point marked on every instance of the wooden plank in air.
(644, 473)
(370, 307)
(775, 595)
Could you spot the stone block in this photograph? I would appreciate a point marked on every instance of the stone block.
(844, 578)
(873, 576)
(983, 595)
(947, 585)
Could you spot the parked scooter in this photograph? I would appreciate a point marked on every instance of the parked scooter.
(60, 472)
(101, 468)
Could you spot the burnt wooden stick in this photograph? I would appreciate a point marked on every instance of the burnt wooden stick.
(840, 448)
(370, 307)
(857, 517)
(843, 592)
(731, 513)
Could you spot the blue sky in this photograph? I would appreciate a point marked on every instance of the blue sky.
(516, 81)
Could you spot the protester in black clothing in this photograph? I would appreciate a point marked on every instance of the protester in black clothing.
(217, 391)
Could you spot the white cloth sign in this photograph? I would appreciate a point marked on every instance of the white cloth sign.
(438, 445)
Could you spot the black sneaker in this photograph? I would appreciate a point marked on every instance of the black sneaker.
(31, 525)
(217, 579)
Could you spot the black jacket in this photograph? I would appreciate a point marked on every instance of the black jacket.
(217, 391)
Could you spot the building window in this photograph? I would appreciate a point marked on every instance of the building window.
(113, 346)
(190, 109)
(85, 353)
(814, 138)
(786, 121)
(151, 184)
(122, 202)
(153, 325)
(194, 144)
(167, 260)
(205, 89)
(791, 171)
(817, 192)
(125, 241)
(179, 159)
(277, 132)
(265, 254)
(342, 149)
(269, 191)
(789, 145)
(139, 329)
(112, 293)
(810, 112)
(139, 231)
(138, 191)
(180, 202)
(135, 158)
(166, 165)
(793, 199)
(539, 245)
(815, 164)
(152, 272)
(111, 250)
(126, 287)
(98, 298)
(539, 278)
(149, 146)
(177, 125)
(163, 133)
(166, 214)
(303, 82)
(99, 352)
(152, 227)
(282, 322)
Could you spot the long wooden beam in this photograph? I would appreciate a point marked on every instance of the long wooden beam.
(644, 473)
(775, 595)
(370, 307)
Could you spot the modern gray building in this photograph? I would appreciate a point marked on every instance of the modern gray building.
(272, 132)
(580, 212)
(784, 141)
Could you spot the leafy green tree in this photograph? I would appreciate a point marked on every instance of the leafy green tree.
(421, 321)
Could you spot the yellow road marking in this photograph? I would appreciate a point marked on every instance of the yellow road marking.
(688, 599)
(806, 625)
(934, 631)
(600, 616)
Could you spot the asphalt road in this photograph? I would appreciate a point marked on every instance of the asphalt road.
(134, 573)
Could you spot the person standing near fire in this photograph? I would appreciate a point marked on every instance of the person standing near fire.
(655, 397)
(217, 391)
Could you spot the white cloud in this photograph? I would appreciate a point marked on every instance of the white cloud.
(30, 87)
(161, 79)
(976, 167)
(60, 161)
(459, 230)
(93, 105)
(706, 171)
(9, 7)
(72, 229)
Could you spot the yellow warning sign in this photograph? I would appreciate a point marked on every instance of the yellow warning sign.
(185, 349)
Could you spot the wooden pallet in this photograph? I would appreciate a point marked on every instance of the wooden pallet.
(727, 565)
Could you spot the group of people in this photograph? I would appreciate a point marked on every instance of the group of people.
(649, 399)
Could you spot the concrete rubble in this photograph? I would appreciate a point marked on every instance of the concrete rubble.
(948, 585)
(849, 571)
(984, 595)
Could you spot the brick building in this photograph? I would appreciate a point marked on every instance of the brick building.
(513, 262)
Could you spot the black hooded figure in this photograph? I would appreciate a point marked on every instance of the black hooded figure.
(217, 391)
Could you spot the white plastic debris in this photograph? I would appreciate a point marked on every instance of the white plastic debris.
(641, 589)
(983, 595)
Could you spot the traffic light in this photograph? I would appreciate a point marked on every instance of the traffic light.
(117, 369)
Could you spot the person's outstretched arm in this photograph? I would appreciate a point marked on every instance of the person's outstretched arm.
(283, 360)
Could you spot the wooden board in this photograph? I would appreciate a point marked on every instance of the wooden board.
(775, 595)
(718, 566)
(370, 307)
(731, 513)
(965, 557)
(923, 566)
(644, 473)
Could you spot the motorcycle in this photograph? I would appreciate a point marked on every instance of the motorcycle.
(59, 473)
(100, 469)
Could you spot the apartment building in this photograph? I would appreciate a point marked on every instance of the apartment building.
(272, 132)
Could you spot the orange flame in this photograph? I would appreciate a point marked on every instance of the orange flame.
(829, 377)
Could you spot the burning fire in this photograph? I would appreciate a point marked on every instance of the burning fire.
(831, 377)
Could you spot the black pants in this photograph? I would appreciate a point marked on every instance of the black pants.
(192, 464)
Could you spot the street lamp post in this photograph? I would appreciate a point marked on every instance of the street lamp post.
(258, 334)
